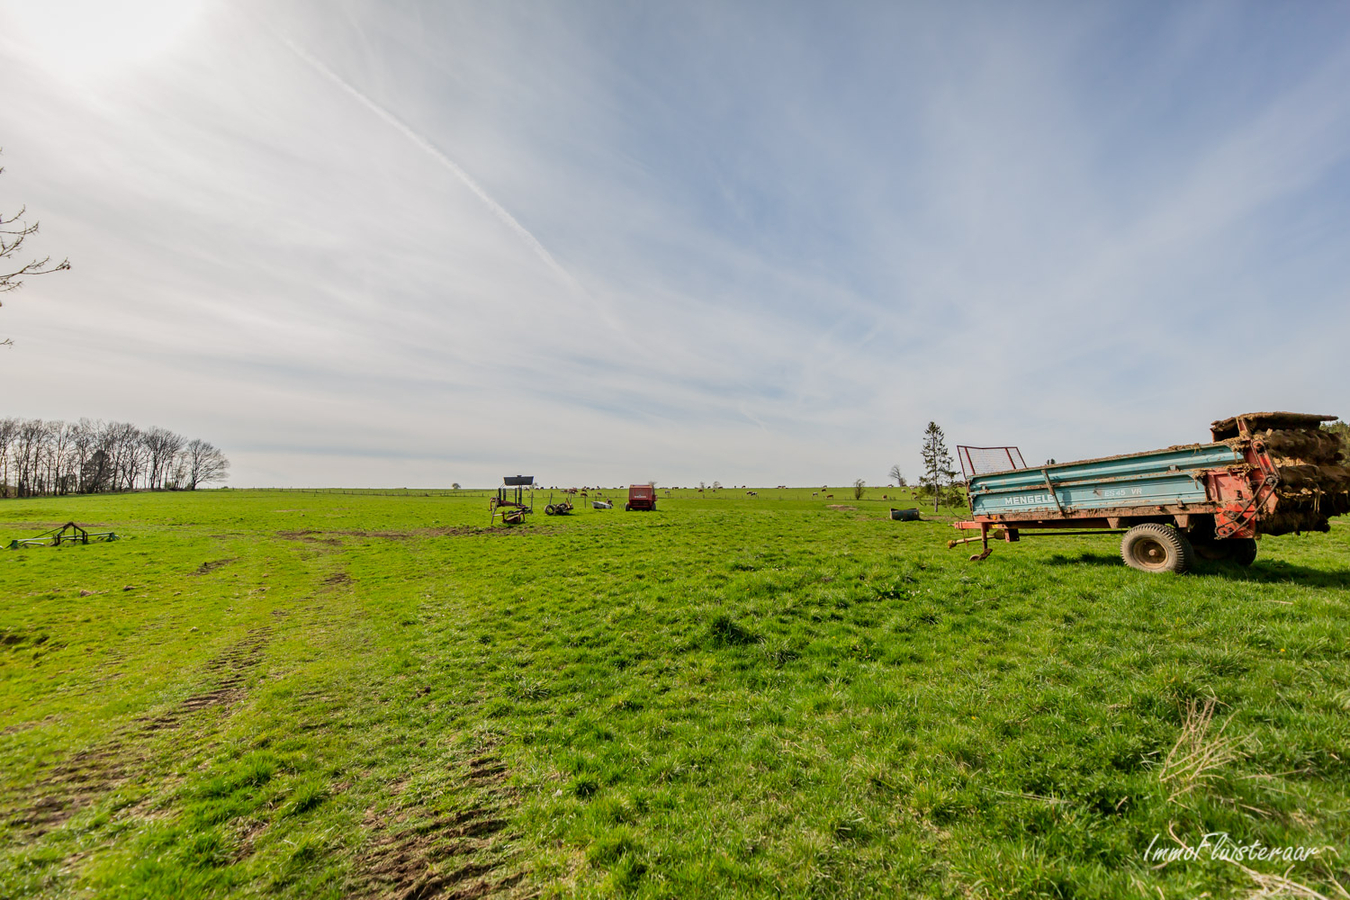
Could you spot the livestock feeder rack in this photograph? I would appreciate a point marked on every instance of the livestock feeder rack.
(1261, 474)
(510, 502)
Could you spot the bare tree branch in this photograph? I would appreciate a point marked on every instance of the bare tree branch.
(13, 232)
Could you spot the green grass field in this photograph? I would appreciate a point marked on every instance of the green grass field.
(312, 695)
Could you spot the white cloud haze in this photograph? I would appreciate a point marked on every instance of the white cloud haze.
(411, 243)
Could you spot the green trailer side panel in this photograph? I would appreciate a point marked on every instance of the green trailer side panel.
(1157, 478)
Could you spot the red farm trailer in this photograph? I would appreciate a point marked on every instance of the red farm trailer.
(1262, 473)
(641, 496)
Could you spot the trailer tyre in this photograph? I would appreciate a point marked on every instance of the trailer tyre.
(1152, 547)
(1244, 550)
(1239, 550)
(1212, 550)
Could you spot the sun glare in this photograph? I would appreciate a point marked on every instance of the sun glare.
(84, 37)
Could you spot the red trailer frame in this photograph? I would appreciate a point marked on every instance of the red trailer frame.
(641, 497)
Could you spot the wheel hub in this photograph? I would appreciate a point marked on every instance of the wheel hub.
(1152, 553)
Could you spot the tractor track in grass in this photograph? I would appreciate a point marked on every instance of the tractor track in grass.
(334, 537)
(93, 773)
(231, 669)
(426, 855)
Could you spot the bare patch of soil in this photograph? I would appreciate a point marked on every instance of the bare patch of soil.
(24, 726)
(207, 568)
(424, 855)
(334, 538)
(74, 784)
(311, 537)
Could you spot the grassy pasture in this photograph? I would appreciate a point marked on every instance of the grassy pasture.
(313, 695)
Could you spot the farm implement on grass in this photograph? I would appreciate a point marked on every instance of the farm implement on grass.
(69, 533)
(641, 497)
(510, 500)
(562, 508)
(1263, 473)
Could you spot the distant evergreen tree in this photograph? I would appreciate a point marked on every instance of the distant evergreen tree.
(937, 462)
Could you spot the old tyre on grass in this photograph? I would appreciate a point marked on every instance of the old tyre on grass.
(1153, 547)
(550, 510)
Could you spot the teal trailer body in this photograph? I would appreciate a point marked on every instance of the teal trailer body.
(1173, 478)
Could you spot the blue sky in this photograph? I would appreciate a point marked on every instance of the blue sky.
(379, 243)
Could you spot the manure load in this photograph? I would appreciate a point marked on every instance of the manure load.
(1313, 483)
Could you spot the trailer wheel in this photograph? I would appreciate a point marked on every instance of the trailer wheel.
(1212, 550)
(1244, 550)
(1156, 548)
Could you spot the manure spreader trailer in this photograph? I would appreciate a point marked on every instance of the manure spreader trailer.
(1262, 473)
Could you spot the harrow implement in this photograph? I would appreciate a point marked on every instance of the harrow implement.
(69, 533)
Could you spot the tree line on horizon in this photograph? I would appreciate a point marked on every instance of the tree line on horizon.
(47, 458)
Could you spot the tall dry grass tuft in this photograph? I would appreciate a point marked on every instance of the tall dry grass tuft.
(1270, 885)
(1197, 755)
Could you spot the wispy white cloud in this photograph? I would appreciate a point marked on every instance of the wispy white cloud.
(403, 128)
(417, 243)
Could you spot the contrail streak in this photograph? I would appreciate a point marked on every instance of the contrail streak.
(496, 208)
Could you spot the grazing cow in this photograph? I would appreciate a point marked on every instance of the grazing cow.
(752, 493)
(829, 496)
(815, 493)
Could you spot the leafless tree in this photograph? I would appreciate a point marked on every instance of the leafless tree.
(203, 463)
(96, 472)
(897, 476)
(135, 462)
(84, 441)
(859, 488)
(60, 445)
(119, 442)
(29, 444)
(50, 457)
(163, 446)
(9, 429)
(14, 230)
